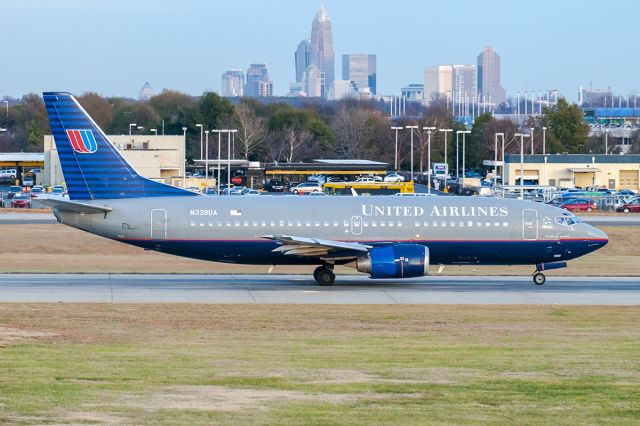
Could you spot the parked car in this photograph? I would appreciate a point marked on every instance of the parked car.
(21, 200)
(365, 179)
(233, 190)
(580, 205)
(274, 185)
(58, 190)
(394, 177)
(633, 206)
(210, 191)
(250, 192)
(306, 187)
(626, 192)
(37, 190)
(7, 175)
(13, 190)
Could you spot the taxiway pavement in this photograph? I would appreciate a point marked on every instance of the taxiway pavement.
(302, 289)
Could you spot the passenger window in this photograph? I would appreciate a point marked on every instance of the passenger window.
(299, 224)
(382, 223)
(391, 223)
(470, 223)
(479, 224)
(227, 223)
(246, 223)
(237, 223)
(426, 223)
(307, 223)
(435, 223)
(399, 223)
(417, 224)
(505, 224)
(452, 223)
(444, 223)
(264, 223)
(335, 223)
(317, 224)
(496, 224)
(326, 224)
(487, 224)
(254, 223)
(365, 223)
(281, 223)
(193, 223)
(461, 224)
(211, 224)
(289, 223)
(272, 223)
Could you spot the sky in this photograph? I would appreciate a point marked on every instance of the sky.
(113, 46)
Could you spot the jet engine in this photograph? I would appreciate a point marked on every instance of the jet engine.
(395, 261)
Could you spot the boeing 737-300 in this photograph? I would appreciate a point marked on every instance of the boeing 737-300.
(383, 236)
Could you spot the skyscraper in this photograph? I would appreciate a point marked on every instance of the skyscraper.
(361, 69)
(302, 58)
(258, 82)
(489, 77)
(438, 82)
(146, 92)
(233, 83)
(313, 82)
(322, 48)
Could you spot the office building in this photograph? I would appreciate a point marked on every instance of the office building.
(342, 89)
(438, 82)
(321, 48)
(489, 86)
(465, 83)
(302, 58)
(361, 69)
(313, 82)
(233, 83)
(413, 92)
(146, 92)
(258, 83)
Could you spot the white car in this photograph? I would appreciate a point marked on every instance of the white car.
(306, 188)
(394, 177)
(365, 180)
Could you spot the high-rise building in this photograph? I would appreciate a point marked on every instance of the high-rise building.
(438, 82)
(465, 83)
(414, 92)
(489, 77)
(302, 58)
(313, 81)
(361, 69)
(342, 89)
(233, 83)
(322, 48)
(146, 92)
(258, 82)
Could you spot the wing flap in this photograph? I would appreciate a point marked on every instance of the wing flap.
(74, 206)
(316, 247)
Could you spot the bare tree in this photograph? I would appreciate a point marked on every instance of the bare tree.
(353, 132)
(294, 138)
(251, 128)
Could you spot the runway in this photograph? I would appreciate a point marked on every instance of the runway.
(301, 289)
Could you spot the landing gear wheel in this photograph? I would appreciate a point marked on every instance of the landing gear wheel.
(324, 276)
(539, 278)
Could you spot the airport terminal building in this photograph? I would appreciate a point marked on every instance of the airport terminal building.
(575, 170)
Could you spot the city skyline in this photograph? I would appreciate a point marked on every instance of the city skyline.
(127, 43)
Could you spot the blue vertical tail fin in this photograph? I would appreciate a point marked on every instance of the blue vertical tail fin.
(93, 168)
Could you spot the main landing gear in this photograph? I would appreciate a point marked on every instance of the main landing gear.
(324, 275)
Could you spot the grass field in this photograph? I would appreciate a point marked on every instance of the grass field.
(238, 364)
(48, 248)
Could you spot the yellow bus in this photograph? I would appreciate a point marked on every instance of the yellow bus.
(368, 188)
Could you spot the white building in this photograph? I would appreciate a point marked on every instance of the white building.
(233, 83)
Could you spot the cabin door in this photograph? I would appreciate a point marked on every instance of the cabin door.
(158, 224)
(356, 225)
(529, 224)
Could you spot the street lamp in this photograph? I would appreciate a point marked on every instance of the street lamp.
(445, 148)
(7, 105)
(532, 139)
(184, 159)
(429, 130)
(219, 132)
(229, 132)
(411, 127)
(464, 144)
(606, 140)
(396, 157)
(495, 159)
(206, 161)
(130, 126)
(544, 141)
(522, 136)
(201, 129)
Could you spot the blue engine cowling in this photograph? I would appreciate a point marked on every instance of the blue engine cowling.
(397, 261)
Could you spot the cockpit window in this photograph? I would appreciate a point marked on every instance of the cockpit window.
(567, 220)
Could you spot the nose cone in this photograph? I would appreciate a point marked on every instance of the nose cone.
(597, 238)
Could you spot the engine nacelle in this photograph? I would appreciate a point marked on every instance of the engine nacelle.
(397, 261)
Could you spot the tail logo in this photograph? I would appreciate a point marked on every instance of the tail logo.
(82, 141)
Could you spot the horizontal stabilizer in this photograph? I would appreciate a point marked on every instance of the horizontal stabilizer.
(73, 206)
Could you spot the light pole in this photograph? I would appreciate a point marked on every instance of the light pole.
(229, 159)
(429, 130)
(457, 157)
(495, 162)
(201, 130)
(522, 136)
(206, 160)
(7, 105)
(411, 127)
(130, 126)
(445, 149)
(396, 157)
(532, 139)
(184, 159)
(606, 140)
(464, 144)
(544, 141)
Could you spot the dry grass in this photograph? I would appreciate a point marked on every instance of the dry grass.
(246, 364)
(51, 248)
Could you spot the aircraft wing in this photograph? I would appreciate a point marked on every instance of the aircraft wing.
(73, 206)
(291, 245)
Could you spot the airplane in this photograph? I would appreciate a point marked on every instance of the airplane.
(386, 237)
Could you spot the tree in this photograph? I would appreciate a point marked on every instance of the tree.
(294, 138)
(568, 131)
(99, 108)
(354, 131)
(251, 128)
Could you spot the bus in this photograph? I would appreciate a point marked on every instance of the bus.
(368, 188)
